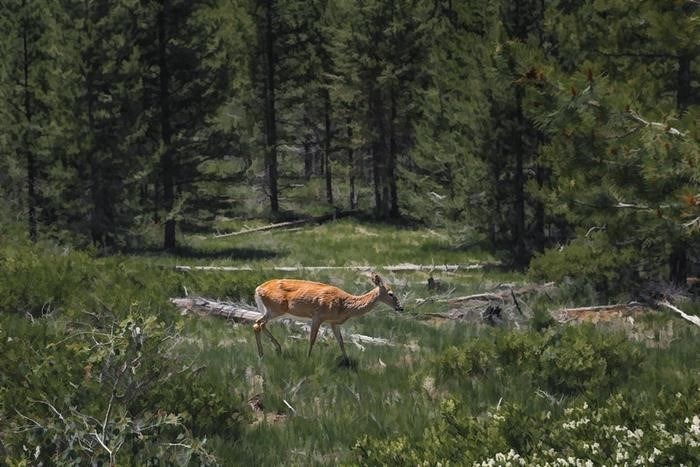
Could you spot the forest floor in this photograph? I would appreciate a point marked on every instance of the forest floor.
(313, 411)
(482, 339)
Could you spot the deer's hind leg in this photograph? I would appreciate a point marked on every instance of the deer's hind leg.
(261, 325)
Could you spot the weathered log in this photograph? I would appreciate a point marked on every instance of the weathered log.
(282, 225)
(239, 313)
(599, 313)
(691, 318)
(404, 267)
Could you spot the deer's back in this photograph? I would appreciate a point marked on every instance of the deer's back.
(300, 298)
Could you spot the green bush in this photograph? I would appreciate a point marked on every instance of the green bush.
(35, 281)
(471, 359)
(617, 432)
(582, 358)
(594, 261)
(567, 360)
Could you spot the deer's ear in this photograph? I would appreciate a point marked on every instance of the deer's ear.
(376, 280)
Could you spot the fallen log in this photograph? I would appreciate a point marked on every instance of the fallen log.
(599, 313)
(282, 225)
(242, 314)
(691, 318)
(403, 267)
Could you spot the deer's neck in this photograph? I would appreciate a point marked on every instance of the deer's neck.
(357, 305)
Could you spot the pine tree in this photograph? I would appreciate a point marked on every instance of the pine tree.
(381, 57)
(623, 131)
(96, 109)
(187, 80)
(23, 108)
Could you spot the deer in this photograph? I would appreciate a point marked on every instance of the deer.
(322, 303)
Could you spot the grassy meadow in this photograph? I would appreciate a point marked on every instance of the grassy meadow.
(459, 391)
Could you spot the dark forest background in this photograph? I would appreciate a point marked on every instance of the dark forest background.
(535, 124)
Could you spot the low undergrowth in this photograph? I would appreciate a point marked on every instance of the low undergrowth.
(98, 367)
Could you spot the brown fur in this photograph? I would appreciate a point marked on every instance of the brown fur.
(318, 302)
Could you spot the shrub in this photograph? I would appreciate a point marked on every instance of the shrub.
(615, 433)
(108, 391)
(581, 358)
(472, 359)
(591, 260)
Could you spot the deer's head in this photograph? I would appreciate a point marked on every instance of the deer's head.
(386, 295)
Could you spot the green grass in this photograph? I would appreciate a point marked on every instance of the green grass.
(390, 392)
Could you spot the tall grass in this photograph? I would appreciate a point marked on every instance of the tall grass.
(313, 410)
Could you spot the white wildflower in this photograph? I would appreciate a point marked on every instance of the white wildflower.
(695, 425)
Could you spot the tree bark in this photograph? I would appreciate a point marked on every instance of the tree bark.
(678, 259)
(519, 231)
(351, 168)
(327, 145)
(375, 115)
(270, 117)
(167, 162)
(30, 157)
(391, 169)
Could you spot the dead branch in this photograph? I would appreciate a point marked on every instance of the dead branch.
(691, 318)
(659, 126)
(505, 294)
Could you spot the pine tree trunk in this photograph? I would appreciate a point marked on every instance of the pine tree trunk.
(519, 230)
(376, 153)
(351, 169)
(327, 146)
(684, 90)
(308, 155)
(376, 180)
(539, 233)
(678, 264)
(391, 169)
(270, 117)
(31, 160)
(678, 259)
(167, 163)
(97, 234)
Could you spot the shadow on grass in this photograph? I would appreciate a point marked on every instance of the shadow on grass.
(187, 252)
(346, 363)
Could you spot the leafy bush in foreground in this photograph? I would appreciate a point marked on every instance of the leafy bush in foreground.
(104, 392)
(615, 433)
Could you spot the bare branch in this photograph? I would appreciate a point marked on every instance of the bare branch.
(659, 126)
(691, 318)
(693, 223)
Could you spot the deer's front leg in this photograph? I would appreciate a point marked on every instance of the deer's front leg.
(339, 338)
